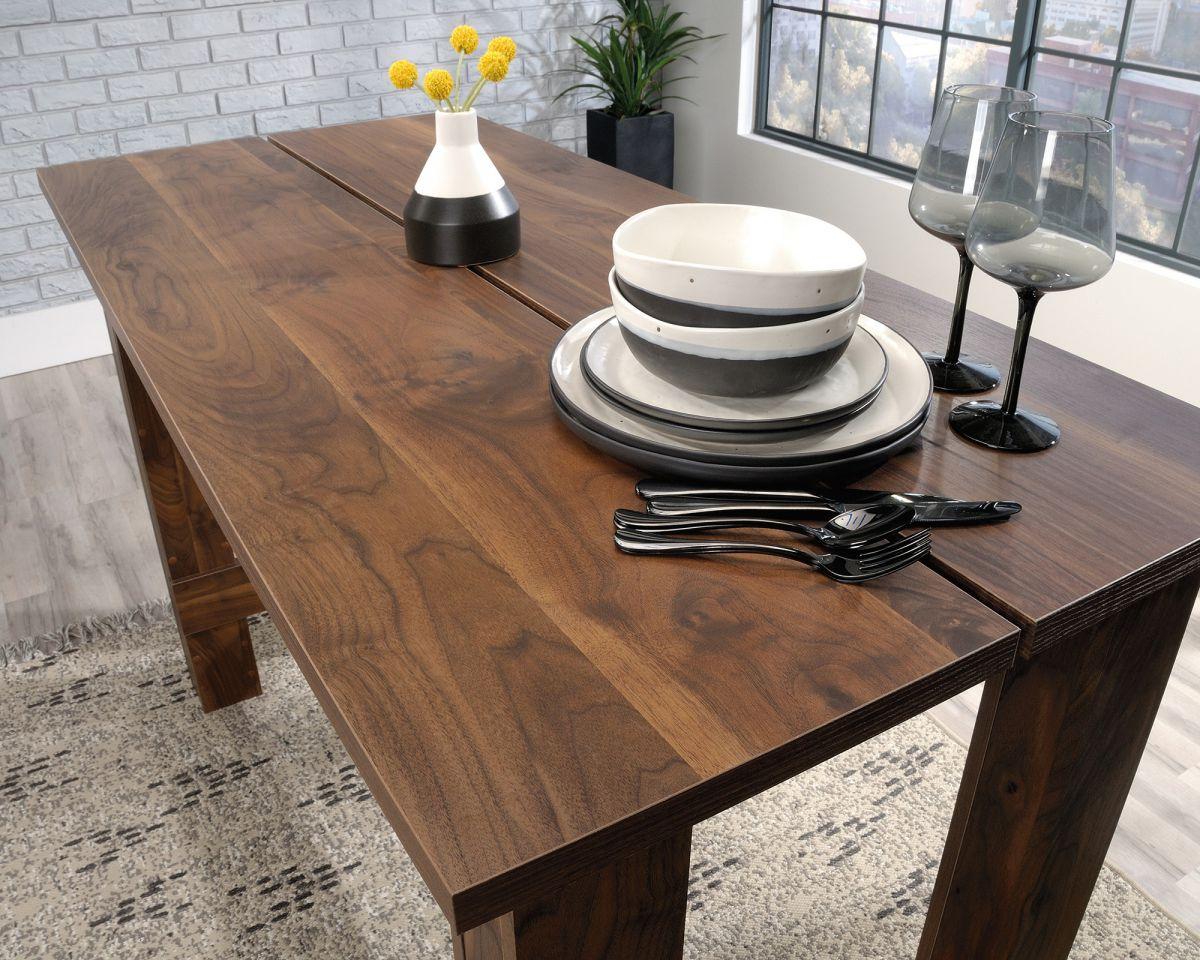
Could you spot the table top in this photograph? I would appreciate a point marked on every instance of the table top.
(376, 439)
(570, 206)
(1108, 515)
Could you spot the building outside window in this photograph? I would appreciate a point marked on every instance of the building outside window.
(859, 78)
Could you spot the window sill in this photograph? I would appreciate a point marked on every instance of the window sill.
(1155, 263)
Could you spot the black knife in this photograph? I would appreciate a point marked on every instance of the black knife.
(926, 512)
(653, 489)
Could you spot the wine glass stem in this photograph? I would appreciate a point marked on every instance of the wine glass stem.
(954, 344)
(1028, 298)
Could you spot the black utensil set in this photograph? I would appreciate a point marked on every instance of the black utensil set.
(864, 534)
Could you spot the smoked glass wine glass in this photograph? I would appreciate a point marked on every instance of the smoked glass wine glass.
(1044, 222)
(967, 125)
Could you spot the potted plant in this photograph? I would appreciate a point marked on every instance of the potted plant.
(624, 62)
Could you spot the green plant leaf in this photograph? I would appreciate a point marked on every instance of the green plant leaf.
(628, 52)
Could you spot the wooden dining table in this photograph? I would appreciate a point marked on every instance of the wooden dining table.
(366, 448)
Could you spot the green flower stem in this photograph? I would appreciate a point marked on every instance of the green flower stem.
(466, 77)
(458, 71)
(474, 94)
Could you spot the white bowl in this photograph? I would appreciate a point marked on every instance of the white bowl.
(740, 258)
(737, 361)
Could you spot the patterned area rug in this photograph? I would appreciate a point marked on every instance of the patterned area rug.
(132, 826)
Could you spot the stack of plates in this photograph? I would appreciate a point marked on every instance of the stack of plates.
(735, 283)
(872, 405)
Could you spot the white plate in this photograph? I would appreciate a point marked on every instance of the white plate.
(854, 379)
(902, 403)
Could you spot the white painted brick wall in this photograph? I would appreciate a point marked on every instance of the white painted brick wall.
(81, 79)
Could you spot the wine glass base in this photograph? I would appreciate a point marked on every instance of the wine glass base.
(963, 376)
(983, 422)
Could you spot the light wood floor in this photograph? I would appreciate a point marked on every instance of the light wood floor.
(75, 541)
(75, 537)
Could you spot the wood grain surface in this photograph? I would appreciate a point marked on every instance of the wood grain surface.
(195, 554)
(1055, 749)
(375, 439)
(570, 206)
(633, 909)
(210, 599)
(1109, 514)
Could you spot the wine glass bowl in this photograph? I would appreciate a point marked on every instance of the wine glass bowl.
(1043, 223)
(967, 125)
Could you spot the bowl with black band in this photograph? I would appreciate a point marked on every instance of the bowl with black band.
(737, 361)
(688, 313)
(739, 258)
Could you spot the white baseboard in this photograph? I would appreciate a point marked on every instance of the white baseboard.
(47, 338)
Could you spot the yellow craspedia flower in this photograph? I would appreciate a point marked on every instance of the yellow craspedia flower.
(504, 45)
(493, 66)
(464, 39)
(403, 74)
(439, 84)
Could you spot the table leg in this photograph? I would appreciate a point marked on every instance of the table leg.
(211, 594)
(1055, 749)
(631, 910)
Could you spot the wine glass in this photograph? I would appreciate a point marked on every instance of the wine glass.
(1044, 222)
(966, 128)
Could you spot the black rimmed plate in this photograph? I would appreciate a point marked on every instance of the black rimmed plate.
(898, 412)
(848, 388)
(845, 469)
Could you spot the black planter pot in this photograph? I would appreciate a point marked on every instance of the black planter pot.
(644, 146)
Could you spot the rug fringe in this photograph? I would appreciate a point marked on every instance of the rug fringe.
(53, 642)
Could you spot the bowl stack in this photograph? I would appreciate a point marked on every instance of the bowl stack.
(735, 348)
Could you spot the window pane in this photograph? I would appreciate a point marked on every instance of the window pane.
(792, 87)
(857, 8)
(1072, 85)
(1189, 243)
(846, 81)
(1157, 120)
(1082, 26)
(920, 13)
(1164, 33)
(904, 102)
(917, 12)
(969, 61)
(983, 18)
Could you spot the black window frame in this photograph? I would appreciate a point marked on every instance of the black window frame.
(1023, 53)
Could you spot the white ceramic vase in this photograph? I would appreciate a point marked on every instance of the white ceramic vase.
(460, 211)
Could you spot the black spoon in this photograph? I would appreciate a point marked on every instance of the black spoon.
(851, 530)
(835, 566)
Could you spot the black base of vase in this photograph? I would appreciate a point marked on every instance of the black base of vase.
(460, 231)
(983, 422)
(963, 376)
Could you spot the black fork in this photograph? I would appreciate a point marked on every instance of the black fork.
(845, 537)
(844, 569)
